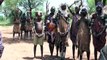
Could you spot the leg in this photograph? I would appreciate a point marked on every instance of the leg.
(30, 33)
(21, 34)
(78, 54)
(62, 52)
(88, 55)
(26, 32)
(73, 51)
(34, 49)
(13, 35)
(57, 48)
(41, 50)
(81, 52)
(95, 54)
(51, 47)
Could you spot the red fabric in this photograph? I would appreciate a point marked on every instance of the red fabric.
(51, 26)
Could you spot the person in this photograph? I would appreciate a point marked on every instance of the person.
(38, 33)
(23, 24)
(63, 11)
(51, 24)
(1, 45)
(83, 39)
(74, 29)
(98, 29)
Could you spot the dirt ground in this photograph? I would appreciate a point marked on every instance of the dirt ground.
(23, 49)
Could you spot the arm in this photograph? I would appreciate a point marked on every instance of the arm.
(71, 11)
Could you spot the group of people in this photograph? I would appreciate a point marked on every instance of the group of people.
(97, 23)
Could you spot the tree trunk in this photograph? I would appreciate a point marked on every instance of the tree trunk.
(30, 8)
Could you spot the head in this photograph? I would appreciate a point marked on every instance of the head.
(99, 9)
(63, 7)
(52, 9)
(83, 12)
(38, 15)
(77, 10)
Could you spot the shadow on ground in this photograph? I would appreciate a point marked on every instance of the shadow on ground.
(16, 40)
(46, 57)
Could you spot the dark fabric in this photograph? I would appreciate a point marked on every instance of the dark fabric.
(97, 27)
(99, 41)
(50, 39)
(74, 29)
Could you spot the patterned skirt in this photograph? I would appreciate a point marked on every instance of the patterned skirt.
(38, 40)
(16, 28)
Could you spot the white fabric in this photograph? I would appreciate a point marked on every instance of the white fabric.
(65, 13)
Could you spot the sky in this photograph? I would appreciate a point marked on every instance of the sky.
(57, 3)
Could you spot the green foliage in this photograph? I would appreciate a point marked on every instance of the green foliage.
(1, 18)
(5, 22)
(91, 4)
(34, 4)
(10, 5)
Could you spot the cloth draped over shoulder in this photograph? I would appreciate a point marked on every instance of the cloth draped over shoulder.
(99, 30)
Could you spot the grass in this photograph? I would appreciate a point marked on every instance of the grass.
(5, 22)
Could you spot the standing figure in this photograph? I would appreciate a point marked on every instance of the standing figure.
(38, 33)
(23, 25)
(83, 35)
(50, 24)
(63, 27)
(98, 29)
(74, 29)
(16, 22)
(16, 27)
(29, 26)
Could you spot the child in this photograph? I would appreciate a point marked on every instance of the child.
(38, 33)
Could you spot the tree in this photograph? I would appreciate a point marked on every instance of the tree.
(31, 4)
(103, 1)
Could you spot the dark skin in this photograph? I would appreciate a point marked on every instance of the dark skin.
(51, 45)
(98, 15)
(77, 9)
(41, 46)
(80, 53)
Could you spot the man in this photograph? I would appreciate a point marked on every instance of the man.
(98, 29)
(83, 34)
(74, 29)
(51, 24)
